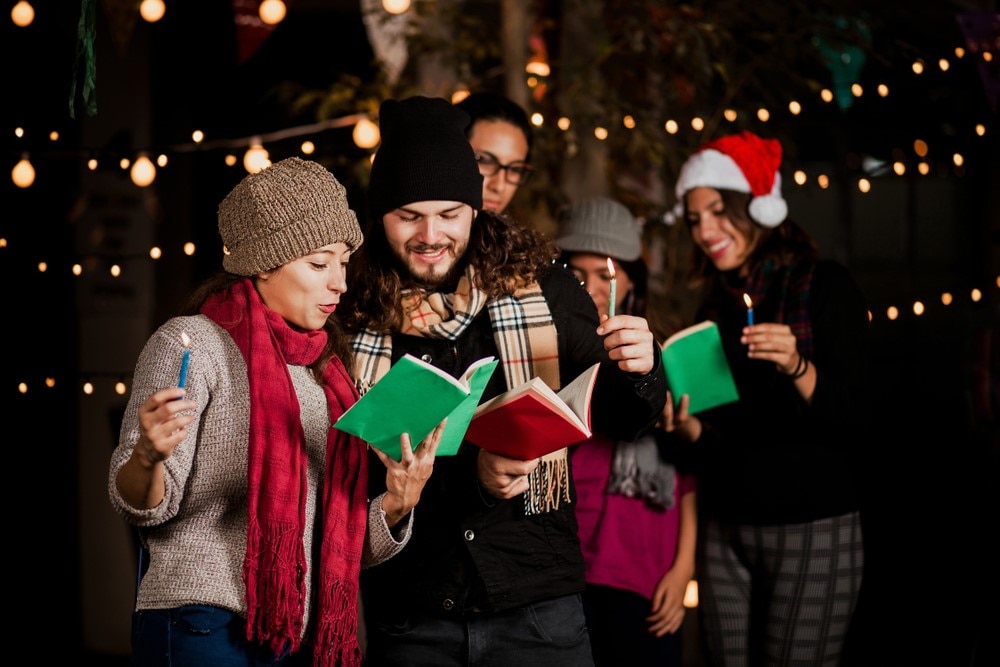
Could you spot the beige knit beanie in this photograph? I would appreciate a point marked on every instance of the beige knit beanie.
(282, 213)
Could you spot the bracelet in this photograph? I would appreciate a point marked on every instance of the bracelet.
(800, 368)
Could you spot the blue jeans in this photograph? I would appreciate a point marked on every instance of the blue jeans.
(551, 633)
(199, 635)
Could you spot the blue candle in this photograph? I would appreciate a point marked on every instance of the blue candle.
(746, 299)
(185, 358)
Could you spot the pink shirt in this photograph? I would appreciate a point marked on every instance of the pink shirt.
(626, 543)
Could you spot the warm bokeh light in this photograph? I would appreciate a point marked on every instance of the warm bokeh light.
(920, 147)
(272, 12)
(189, 248)
(864, 185)
(899, 168)
(857, 90)
(883, 90)
(43, 267)
(50, 382)
(980, 129)
(124, 163)
(88, 388)
(671, 127)
(115, 270)
(395, 6)
(691, 594)
(763, 115)
(92, 164)
(143, 172)
(537, 119)
(120, 388)
(23, 173)
(256, 158)
(924, 168)
(987, 56)
(76, 269)
(799, 176)
(307, 147)
(944, 64)
(155, 252)
(459, 95)
(366, 134)
(152, 10)
(629, 122)
(957, 159)
(697, 124)
(22, 387)
(826, 95)
(162, 160)
(946, 298)
(197, 136)
(230, 160)
(537, 68)
(23, 14)
(54, 135)
(918, 67)
(918, 308)
(563, 123)
(976, 294)
(730, 115)
(959, 52)
(892, 312)
(601, 133)
(823, 180)
(795, 108)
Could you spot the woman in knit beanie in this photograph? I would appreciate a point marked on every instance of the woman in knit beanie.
(780, 554)
(635, 511)
(252, 510)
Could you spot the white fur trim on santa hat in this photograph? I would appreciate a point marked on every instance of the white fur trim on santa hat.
(710, 168)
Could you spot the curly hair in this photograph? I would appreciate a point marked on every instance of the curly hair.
(504, 254)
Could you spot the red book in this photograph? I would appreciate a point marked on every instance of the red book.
(532, 420)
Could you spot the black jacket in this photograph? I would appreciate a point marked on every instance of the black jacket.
(470, 551)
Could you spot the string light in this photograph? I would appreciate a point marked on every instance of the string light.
(396, 6)
(152, 10)
(272, 12)
(143, 171)
(366, 134)
(23, 14)
(23, 174)
(256, 158)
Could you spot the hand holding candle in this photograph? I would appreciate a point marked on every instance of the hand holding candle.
(749, 302)
(613, 298)
(185, 358)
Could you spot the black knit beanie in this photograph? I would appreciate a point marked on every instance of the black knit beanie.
(424, 156)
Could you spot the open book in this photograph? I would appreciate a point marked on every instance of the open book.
(532, 420)
(695, 364)
(413, 397)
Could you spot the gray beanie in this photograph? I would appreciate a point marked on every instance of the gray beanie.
(601, 226)
(424, 156)
(282, 213)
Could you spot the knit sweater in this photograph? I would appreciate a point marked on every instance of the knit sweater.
(196, 536)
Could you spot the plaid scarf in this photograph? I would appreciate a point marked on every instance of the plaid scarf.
(526, 340)
(786, 291)
(274, 567)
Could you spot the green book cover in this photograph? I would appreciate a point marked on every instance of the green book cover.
(413, 397)
(695, 364)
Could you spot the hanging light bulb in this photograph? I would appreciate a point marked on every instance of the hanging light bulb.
(22, 14)
(23, 174)
(256, 158)
(366, 134)
(272, 12)
(395, 6)
(152, 10)
(143, 171)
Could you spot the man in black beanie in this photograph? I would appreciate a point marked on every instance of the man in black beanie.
(493, 571)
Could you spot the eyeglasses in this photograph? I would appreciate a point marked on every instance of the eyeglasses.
(515, 173)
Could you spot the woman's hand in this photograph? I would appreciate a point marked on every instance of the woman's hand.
(668, 603)
(772, 342)
(405, 479)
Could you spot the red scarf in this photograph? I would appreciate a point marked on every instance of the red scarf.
(274, 569)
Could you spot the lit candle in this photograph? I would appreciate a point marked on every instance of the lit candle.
(614, 289)
(746, 299)
(185, 358)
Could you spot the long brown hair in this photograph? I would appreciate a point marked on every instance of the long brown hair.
(785, 244)
(337, 344)
(504, 254)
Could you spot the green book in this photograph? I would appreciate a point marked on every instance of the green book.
(695, 364)
(413, 397)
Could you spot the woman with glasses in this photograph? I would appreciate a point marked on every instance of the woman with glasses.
(500, 135)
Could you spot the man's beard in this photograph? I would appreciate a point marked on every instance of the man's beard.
(429, 279)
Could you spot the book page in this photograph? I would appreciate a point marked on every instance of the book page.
(576, 395)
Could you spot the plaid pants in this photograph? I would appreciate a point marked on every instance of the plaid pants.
(782, 595)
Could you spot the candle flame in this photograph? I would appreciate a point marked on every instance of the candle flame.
(611, 268)
(185, 339)
(747, 301)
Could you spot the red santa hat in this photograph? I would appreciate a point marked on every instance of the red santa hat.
(742, 162)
